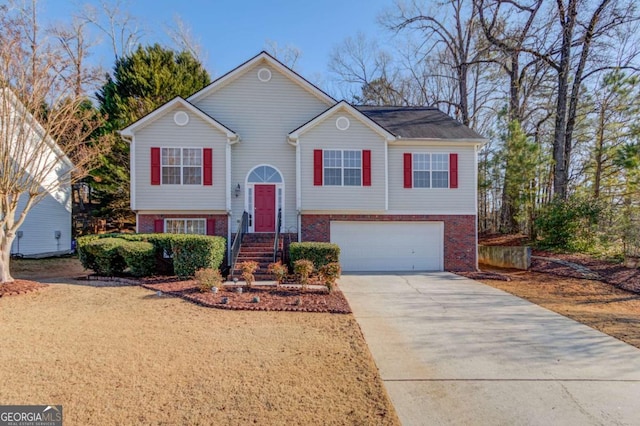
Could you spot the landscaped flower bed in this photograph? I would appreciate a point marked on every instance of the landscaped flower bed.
(271, 298)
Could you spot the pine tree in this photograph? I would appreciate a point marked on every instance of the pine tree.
(140, 83)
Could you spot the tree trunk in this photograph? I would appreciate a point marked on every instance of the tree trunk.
(568, 18)
(599, 153)
(5, 259)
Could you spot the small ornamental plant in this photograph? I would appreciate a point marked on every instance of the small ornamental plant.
(279, 271)
(303, 269)
(248, 268)
(329, 274)
(208, 278)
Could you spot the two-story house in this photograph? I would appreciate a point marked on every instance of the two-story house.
(394, 187)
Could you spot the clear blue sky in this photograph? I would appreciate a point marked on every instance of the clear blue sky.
(233, 31)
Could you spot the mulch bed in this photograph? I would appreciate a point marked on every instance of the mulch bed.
(271, 298)
(20, 287)
(612, 273)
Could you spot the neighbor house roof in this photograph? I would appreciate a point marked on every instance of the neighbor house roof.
(418, 122)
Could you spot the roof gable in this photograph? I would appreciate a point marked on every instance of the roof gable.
(263, 57)
(341, 106)
(164, 109)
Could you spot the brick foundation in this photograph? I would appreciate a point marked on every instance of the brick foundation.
(459, 234)
(146, 221)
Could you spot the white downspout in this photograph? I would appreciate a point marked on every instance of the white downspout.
(293, 140)
(386, 175)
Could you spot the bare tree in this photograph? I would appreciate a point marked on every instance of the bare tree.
(360, 65)
(38, 105)
(122, 30)
(75, 46)
(287, 54)
(448, 33)
(182, 36)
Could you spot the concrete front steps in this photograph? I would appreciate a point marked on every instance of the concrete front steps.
(259, 248)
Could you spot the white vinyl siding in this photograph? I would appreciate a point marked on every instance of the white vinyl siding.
(196, 135)
(461, 200)
(263, 114)
(354, 197)
(38, 231)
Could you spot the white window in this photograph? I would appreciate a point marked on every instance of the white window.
(181, 166)
(431, 170)
(185, 226)
(342, 168)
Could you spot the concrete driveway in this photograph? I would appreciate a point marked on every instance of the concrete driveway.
(454, 351)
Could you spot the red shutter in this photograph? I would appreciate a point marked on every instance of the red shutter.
(158, 226)
(155, 166)
(453, 170)
(317, 167)
(207, 169)
(366, 167)
(211, 227)
(408, 170)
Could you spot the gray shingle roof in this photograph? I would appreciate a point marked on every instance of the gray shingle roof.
(418, 122)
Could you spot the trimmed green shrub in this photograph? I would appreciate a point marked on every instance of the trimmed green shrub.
(139, 256)
(188, 253)
(318, 253)
(193, 252)
(87, 259)
(105, 256)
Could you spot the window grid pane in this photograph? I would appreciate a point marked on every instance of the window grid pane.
(171, 175)
(421, 179)
(192, 175)
(440, 162)
(170, 156)
(440, 179)
(352, 177)
(195, 226)
(174, 226)
(332, 176)
(332, 158)
(191, 157)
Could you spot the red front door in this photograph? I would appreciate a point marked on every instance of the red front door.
(265, 206)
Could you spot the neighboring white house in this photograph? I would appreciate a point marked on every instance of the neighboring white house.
(395, 187)
(47, 227)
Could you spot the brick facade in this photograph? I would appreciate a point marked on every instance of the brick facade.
(459, 234)
(146, 221)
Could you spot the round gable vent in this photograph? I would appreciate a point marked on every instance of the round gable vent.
(342, 123)
(264, 75)
(181, 118)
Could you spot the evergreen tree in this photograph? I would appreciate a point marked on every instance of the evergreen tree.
(140, 83)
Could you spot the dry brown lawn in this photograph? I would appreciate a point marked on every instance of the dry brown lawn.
(123, 355)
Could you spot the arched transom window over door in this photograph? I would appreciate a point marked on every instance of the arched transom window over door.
(265, 196)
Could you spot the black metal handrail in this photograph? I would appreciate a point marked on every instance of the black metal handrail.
(243, 227)
(277, 239)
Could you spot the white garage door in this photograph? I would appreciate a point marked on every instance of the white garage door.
(389, 246)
